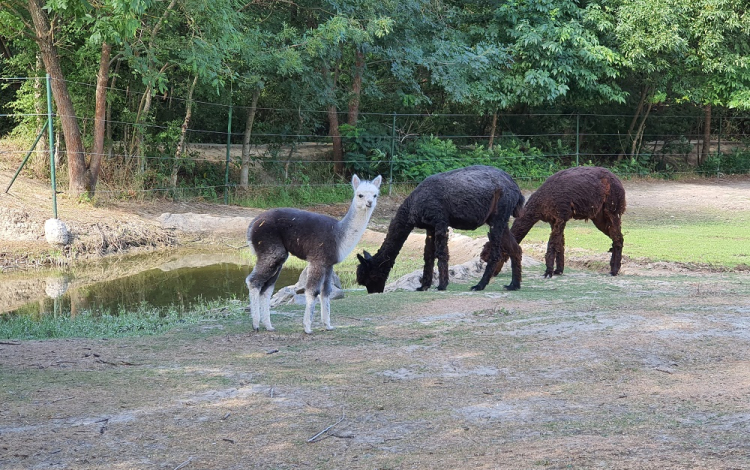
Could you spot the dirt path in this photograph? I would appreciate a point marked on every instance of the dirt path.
(586, 371)
(583, 371)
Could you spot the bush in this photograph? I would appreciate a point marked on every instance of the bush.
(734, 163)
(430, 155)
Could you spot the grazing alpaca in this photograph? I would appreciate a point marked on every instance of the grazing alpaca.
(465, 199)
(580, 193)
(321, 240)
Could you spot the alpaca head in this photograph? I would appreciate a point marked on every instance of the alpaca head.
(366, 193)
(369, 276)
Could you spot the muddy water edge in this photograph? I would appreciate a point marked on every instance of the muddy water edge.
(178, 278)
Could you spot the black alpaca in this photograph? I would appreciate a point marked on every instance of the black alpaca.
(320, 240)
(580, 193)
(466, 199)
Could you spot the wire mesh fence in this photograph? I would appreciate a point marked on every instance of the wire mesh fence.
(154, 152)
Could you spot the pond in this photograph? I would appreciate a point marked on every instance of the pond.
(170, 284)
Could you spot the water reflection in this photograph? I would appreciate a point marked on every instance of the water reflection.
(179, 288)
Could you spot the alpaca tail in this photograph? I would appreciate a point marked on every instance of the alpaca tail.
(519, 205)
(493, 205)
(250, 236)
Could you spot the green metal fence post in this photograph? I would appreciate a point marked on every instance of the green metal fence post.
(718, 149)
(229, 146)
(393, 149)
(51, 146)
(578, 134)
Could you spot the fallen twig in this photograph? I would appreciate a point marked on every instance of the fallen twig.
(59, 399)
(183, 464)
(312, 439)
(10, 343)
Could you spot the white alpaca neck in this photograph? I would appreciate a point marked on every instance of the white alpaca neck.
(351, 228)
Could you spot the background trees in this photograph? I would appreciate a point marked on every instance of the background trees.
(131, 73)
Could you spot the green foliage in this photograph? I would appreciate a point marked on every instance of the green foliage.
(430, 155)
(737, 162)
(266, 197)
(141, 322)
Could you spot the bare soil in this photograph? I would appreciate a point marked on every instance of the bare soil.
(647, 370)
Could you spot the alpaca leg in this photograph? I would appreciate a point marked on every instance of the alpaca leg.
(443, 256)
(254, 304)
(554, 246)
(325, 299)
(494, 255)
(315, 276)
(511, 249)
(265, 298)
(264, 275)
(429, 260)
(611, 226)
(560, 257)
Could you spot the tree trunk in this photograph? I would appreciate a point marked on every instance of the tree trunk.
(706, 135)
(333, 123)
(97, 150)
(634, 121)
(245, 167)
(65, 109)
(4, 49)
(493, 128)
(359, 66)
(635, 146)
(183, 132)
(338, 149)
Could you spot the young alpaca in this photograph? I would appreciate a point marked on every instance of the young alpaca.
(465, 199)
(580, 193)
(320, 240)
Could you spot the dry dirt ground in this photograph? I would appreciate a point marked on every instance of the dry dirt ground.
(647, 370)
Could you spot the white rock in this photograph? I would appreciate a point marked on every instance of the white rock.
(55, 287)
(55, 232)
(296, 294)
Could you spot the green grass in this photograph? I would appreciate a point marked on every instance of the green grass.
(142, 322)
(696, 238)
(717, 243)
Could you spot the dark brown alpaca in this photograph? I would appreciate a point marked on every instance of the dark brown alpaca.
(465, 198)
(580, 193)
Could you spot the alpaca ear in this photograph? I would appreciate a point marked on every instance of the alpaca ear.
(360, 258)
(355, 181)
(377, 181)
(368, 256)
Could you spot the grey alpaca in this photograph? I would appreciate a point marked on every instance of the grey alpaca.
(581, 193)
(320, 240)
(466, 199)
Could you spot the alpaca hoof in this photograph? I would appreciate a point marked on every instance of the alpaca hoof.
(477, 287)
(512, 286)
(422, 289)
(256, 329)
(270, 328)
(557, 272)
(329, 327)
(442, 287)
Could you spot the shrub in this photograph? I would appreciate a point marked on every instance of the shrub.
(733, 163)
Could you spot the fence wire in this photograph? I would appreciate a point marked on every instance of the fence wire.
(140, 156)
